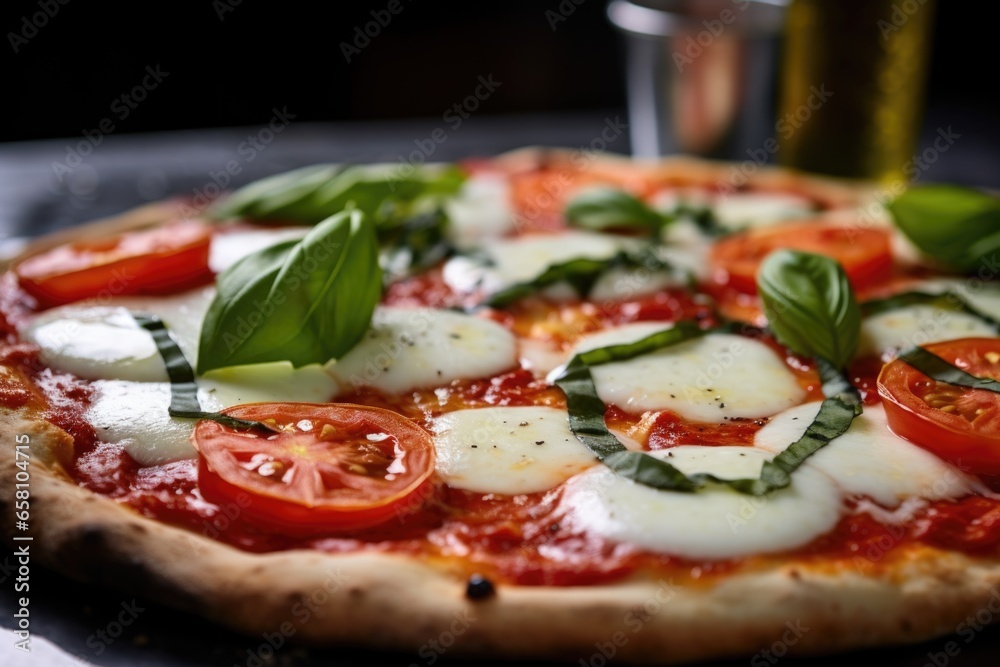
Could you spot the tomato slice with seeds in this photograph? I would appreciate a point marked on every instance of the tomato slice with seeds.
(330, 467)
(167, 259)
(865, 253)
(956, 423)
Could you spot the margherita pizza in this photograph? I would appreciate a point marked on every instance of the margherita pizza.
(574, 406)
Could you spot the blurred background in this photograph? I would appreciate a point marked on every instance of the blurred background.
(365, 81)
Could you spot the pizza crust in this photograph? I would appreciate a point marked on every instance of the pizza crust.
(390, 601)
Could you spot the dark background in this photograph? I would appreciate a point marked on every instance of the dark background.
(230, 65)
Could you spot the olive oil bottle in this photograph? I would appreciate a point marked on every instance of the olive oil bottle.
(852, 85)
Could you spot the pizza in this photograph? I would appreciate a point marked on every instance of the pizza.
(550, 404)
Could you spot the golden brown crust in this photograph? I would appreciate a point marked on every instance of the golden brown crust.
(832, 192)
(392, 601)
(414, 604)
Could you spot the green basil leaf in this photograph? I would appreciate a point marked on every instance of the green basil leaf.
(582, 273)
(305, 301)
(586, 420)
(184, 402)
(938, 369)
(414, 245)
(312, 194)
(810, 305)
(586, 409)
(958, 227)
(944, 300)
(604, 208)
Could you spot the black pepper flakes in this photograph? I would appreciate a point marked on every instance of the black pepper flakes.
(479, 588)
(539, 442)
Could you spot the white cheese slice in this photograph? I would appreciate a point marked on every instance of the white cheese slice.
(412, 348)
(885, 334)
(229, 247)
(481, 210)
(709, 379)
(134, 414)
(102, 341)
(505, 262)
(869, 460)
(96, 342)
(261, 383)
(759, 209)
(713, 523)
(508, 450)
(982, 296)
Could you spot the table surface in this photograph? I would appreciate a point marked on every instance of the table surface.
(37, 195)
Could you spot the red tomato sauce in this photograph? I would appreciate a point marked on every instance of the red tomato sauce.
(522, 539)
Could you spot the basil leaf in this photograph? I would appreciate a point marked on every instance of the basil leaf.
(312, 194)
(810, 305)
(704, 218)
(305, 301)
(586, 420)
(603, 208)
(938, 369)
(586, 409)
(959, 227)
(415, 244)
(184, 402)
(582, 273)
(945, 301)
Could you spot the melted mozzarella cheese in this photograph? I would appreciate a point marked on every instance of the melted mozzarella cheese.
(481, 210)
(276, 381)
(716, 522)
(758, 209)
(887, 333)
(508, 450)
(412, 348)
(505, 262)
(96, 342)
(869, 459)
(104, 342)
(134, 414)
(229, 247)
(984, 297)
(709, 379)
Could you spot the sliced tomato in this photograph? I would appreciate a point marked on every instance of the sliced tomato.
(864, 253)
(330, 467)
(958, 424)
(167, 259)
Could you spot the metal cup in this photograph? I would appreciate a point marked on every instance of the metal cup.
(700, 74)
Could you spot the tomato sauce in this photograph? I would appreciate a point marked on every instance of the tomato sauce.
(523, 539)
